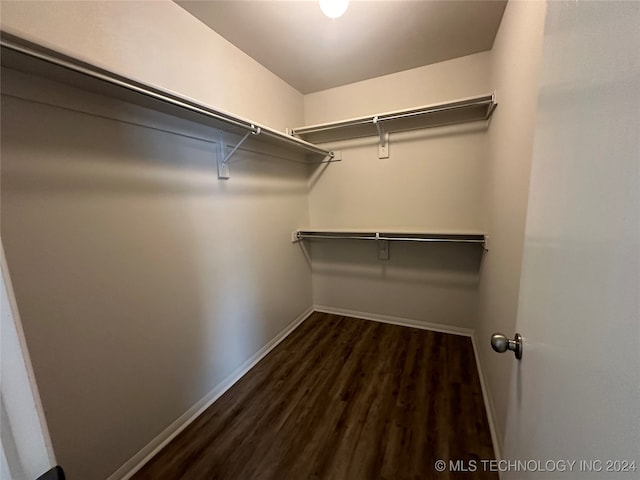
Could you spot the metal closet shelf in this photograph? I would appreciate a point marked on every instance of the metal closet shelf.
(384, 236)
(22, 55)
(459, 111)
(390, 235)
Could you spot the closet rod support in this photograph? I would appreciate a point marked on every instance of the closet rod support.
(224, 160)
(383, 147)
(380, 128)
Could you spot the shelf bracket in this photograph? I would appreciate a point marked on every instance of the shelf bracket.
(224, 160)
(383, 247)
(335, 156)
(383, 147)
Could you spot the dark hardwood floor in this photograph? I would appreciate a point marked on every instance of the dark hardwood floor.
(341, 398)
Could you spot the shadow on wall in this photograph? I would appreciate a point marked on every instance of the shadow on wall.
(438, 264)
(426, 282)
(142, 280)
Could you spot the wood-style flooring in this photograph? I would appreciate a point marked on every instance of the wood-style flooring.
(341, 398)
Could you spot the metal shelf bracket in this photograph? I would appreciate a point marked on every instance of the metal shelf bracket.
(383, 147)
(383, 247)
(225, 158)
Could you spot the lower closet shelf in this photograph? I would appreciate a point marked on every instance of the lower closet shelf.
(384, 236)
(390, 235)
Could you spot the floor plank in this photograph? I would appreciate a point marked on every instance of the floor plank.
(341, 398)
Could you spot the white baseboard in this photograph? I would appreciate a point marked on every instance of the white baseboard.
(403, 322)
(488, 402)
(136, 462)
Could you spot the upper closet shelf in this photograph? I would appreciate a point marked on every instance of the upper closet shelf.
(459, 111)
(26, 56)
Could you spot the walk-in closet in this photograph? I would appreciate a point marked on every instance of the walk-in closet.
(245, 240)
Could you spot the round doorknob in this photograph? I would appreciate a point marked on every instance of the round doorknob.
(500, 343)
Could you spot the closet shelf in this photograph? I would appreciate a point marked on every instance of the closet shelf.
(22, 55)
(403, 235)
(382, 237)
(459, 111)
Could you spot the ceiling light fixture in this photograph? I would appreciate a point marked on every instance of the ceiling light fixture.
(334, 8)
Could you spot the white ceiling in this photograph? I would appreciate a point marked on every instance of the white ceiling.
(311, 52)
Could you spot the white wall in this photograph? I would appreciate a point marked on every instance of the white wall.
(142, 280)
(432, 181)
(440, 82)
(515, 60)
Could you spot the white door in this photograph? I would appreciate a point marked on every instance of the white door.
(575, 393)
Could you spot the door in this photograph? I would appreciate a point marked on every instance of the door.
(575, 393)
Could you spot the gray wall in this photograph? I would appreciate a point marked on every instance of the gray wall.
(142, 280)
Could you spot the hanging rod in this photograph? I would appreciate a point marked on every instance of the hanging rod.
(69, 64)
